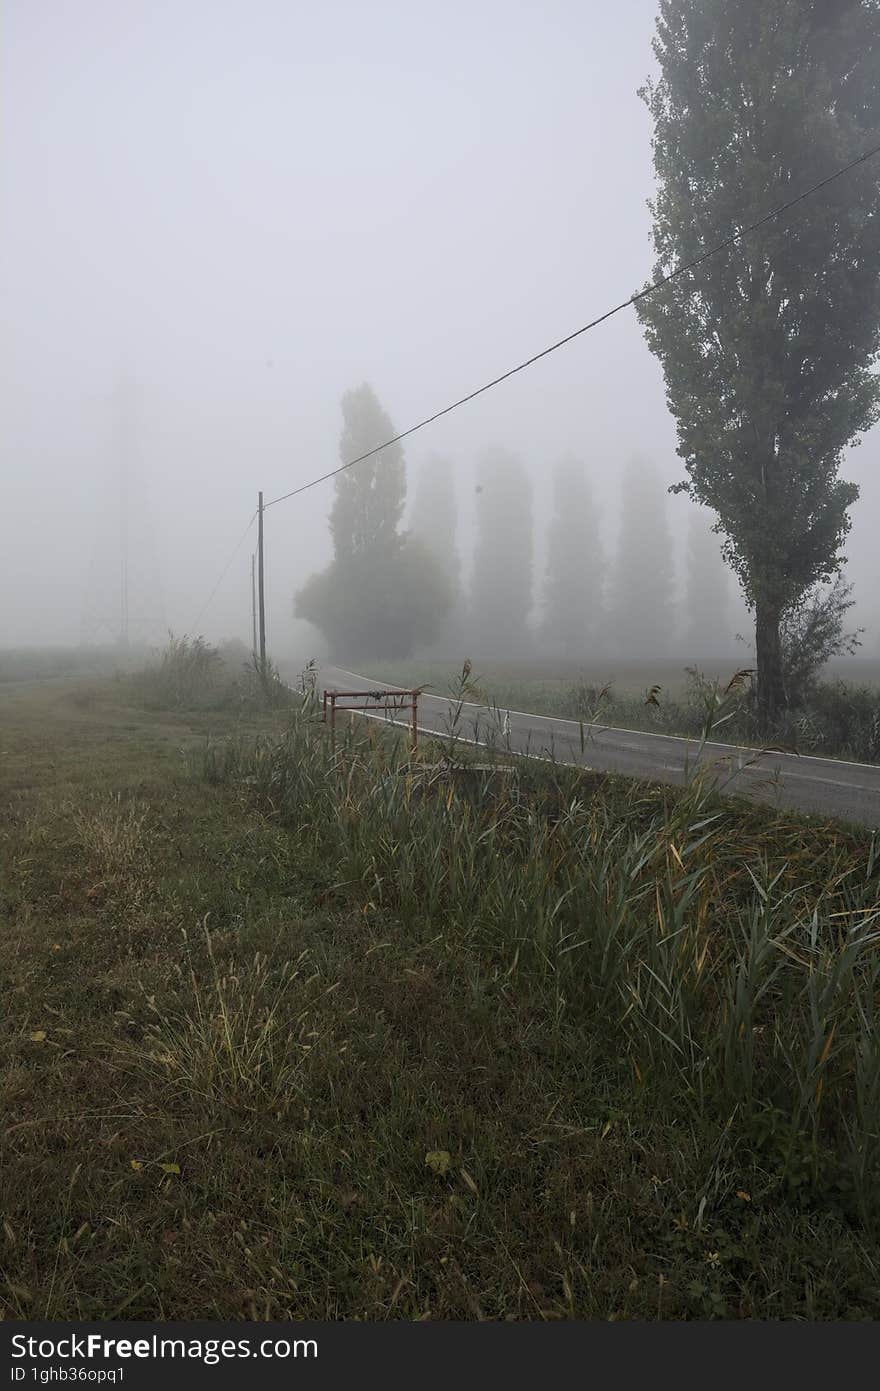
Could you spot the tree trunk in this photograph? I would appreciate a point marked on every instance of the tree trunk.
(768, 650)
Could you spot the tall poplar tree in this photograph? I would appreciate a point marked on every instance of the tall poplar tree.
(501, 583)
(767, 348)
(384, 593)
(370, 496)
(707, 595)
(573, 586)
(639, 618)
(435, 516)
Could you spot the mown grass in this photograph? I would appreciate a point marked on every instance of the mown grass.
(295, 1032)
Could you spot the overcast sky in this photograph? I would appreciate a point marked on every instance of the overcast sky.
(247, 206)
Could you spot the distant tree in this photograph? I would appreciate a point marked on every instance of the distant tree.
(767, 348)
(434, 515)
(707, 596)
(433, 524)
(639, 619)
(378, 605)
(370, 497)
(573, 585)
(501, 582)
(383, 593)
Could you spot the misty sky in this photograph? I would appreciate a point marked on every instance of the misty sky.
(247, 206)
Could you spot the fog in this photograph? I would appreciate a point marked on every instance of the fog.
(219, 216)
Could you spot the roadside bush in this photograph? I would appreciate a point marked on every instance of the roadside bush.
(841, 720)
(811, 634)
(190, 674)
(832, 719)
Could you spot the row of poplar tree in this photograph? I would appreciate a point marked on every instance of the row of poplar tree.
(390, 590)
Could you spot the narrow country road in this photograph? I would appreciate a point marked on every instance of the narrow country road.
(823, 786)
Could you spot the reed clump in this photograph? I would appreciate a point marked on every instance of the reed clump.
(727, 950)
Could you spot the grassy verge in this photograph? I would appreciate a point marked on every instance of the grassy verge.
(838, 719)
(300, 1033)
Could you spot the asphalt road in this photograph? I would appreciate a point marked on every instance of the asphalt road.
(827, 787)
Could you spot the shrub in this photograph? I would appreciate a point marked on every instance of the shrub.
(811, 634)
(190, 674)
(378, 604)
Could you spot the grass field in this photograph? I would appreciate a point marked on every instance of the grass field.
(630, 677)
(297, 1034)
(62, 663)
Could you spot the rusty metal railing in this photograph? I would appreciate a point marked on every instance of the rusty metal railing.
(395, 702)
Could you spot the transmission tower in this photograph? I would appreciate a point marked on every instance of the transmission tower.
(123, 601)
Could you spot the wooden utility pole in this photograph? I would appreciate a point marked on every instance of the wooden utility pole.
(254, 605)
(261, 586)
(124, 445)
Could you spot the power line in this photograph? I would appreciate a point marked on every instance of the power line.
(545, 352)
(224, 572)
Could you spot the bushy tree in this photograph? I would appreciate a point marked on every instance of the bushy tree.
(639, 619)
(573, 586)
(767, 348)
(383, 593)
(501, 582)
(376, 604)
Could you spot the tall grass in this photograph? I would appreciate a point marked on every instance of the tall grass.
(359, 1035)
(729, 953)
(190, 674)
(834, 718)
(239, 1040)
